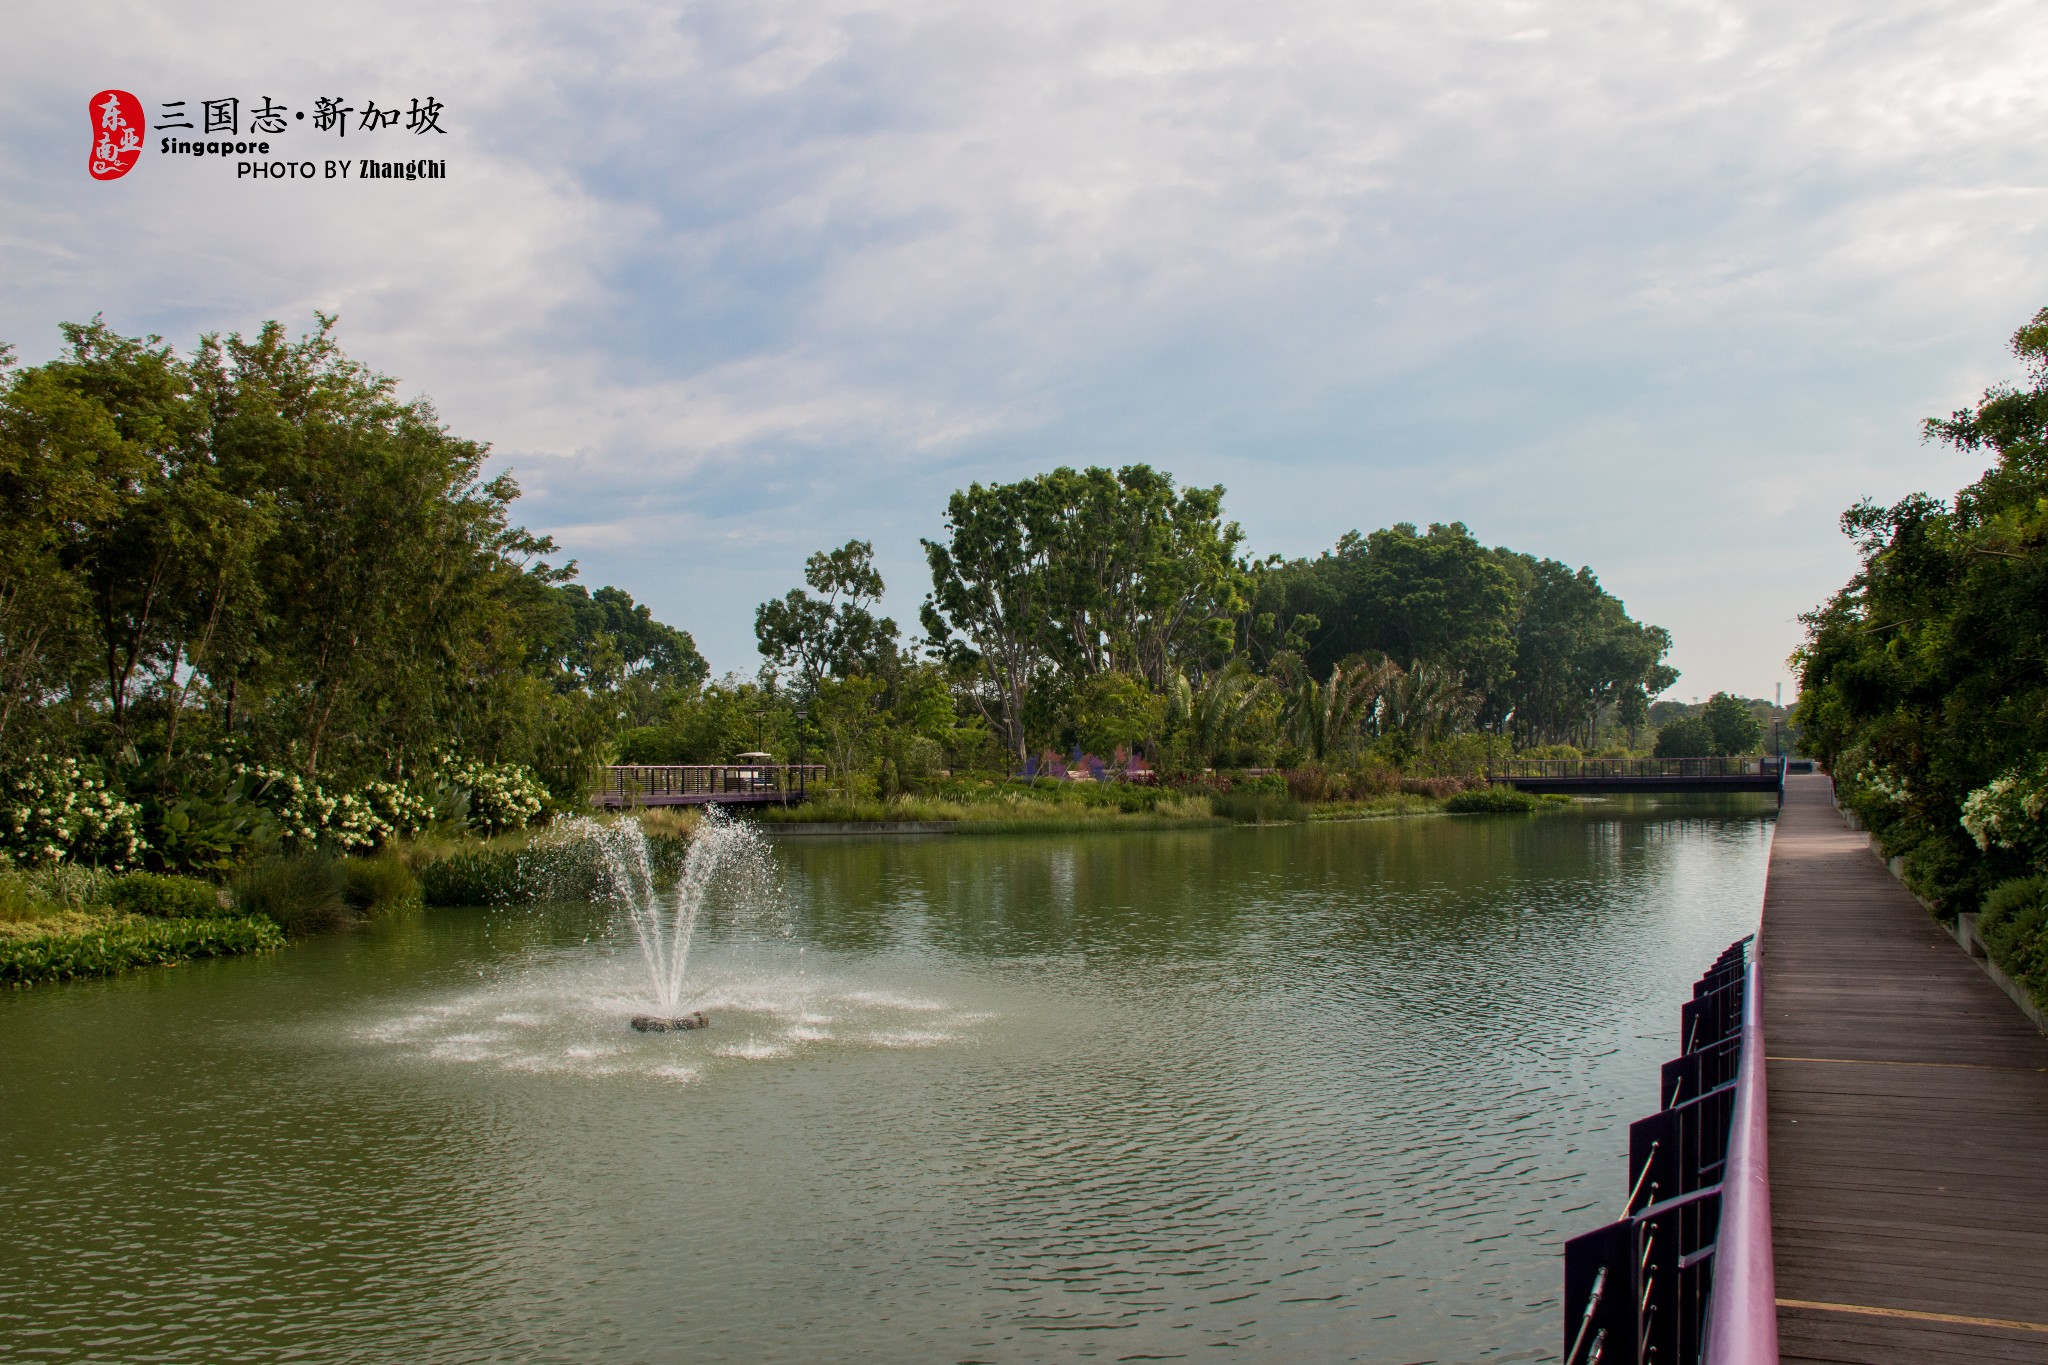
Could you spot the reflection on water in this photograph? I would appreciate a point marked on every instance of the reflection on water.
(1308, 1093)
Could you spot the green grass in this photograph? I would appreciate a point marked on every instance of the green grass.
(1014, 808)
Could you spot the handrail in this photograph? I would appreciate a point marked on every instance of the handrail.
(1733, 765)
(1742, 1319)
(1586, 1319)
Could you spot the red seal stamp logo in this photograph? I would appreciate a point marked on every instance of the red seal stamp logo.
(116, 134)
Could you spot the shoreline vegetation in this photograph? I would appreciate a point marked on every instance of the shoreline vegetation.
(65, 923)
(270, 633)
(1924, 680)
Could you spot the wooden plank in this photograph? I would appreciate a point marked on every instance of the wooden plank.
(1909, 1117)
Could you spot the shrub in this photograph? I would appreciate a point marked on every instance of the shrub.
(135, 943)
(379, 884)
(2014, 926)
(502, 796)
(1491, 801)
(301, 894)
(164, 897)
(1435, 788)
(56, 810)
(1316, 784)
(1378, 780)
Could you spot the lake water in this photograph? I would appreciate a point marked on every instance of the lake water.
(1305, 1093)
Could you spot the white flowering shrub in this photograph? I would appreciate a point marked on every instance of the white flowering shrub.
(1884, 784)
(2007, 813)
(56, 810)
(308, 813)
(502, 796)
(402, 807)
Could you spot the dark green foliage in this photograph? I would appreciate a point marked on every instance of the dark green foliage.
(2014, 926)
(302, 894)
(1926, 677)
(162, 897)
(1495, 800)
(378, 885)
(117, 948)
(258, 549)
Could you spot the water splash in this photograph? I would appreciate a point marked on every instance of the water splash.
(722, 851)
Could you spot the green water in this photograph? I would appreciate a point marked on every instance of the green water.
(1321, 1093)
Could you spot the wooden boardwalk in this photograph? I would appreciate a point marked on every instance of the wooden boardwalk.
(1908, 1118)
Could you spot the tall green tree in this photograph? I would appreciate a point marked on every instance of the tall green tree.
(1082, 573)
(835, 634)
(1925, 678)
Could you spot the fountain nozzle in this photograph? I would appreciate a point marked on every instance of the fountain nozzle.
(655, 1023)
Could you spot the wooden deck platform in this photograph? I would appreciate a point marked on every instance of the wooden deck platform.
(1908, 1118)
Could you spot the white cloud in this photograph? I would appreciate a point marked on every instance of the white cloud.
(1567, 271)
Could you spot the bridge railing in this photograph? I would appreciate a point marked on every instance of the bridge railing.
(1684, 1275)
(1738, 765)
(656, 783)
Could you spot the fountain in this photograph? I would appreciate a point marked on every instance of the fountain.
(719, 845)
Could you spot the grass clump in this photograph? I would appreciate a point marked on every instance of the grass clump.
(156, 896)
(302, 894)
(379, 885)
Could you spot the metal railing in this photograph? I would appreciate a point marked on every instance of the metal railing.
(1737, 765)
(1643, 1288)
(680, 784)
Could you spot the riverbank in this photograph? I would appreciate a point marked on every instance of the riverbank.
(61, 922)
(64, 923)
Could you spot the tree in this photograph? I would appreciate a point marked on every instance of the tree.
(835, 634)
(1924, 680)
(1685, 737)
(1208, 720)
(258, 546)
(1732, 725)
(1576, 651)
(1081, 574)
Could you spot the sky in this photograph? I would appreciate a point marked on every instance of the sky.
(1657, 288)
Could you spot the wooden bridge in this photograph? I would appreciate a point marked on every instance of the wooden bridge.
(706, 784)
(1580, 776)
(1857, 1177)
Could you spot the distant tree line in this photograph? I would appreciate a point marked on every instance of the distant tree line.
(254, 559)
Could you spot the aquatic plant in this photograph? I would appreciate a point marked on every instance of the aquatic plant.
(64, 956)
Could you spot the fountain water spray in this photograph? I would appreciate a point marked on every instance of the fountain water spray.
(720, 845)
